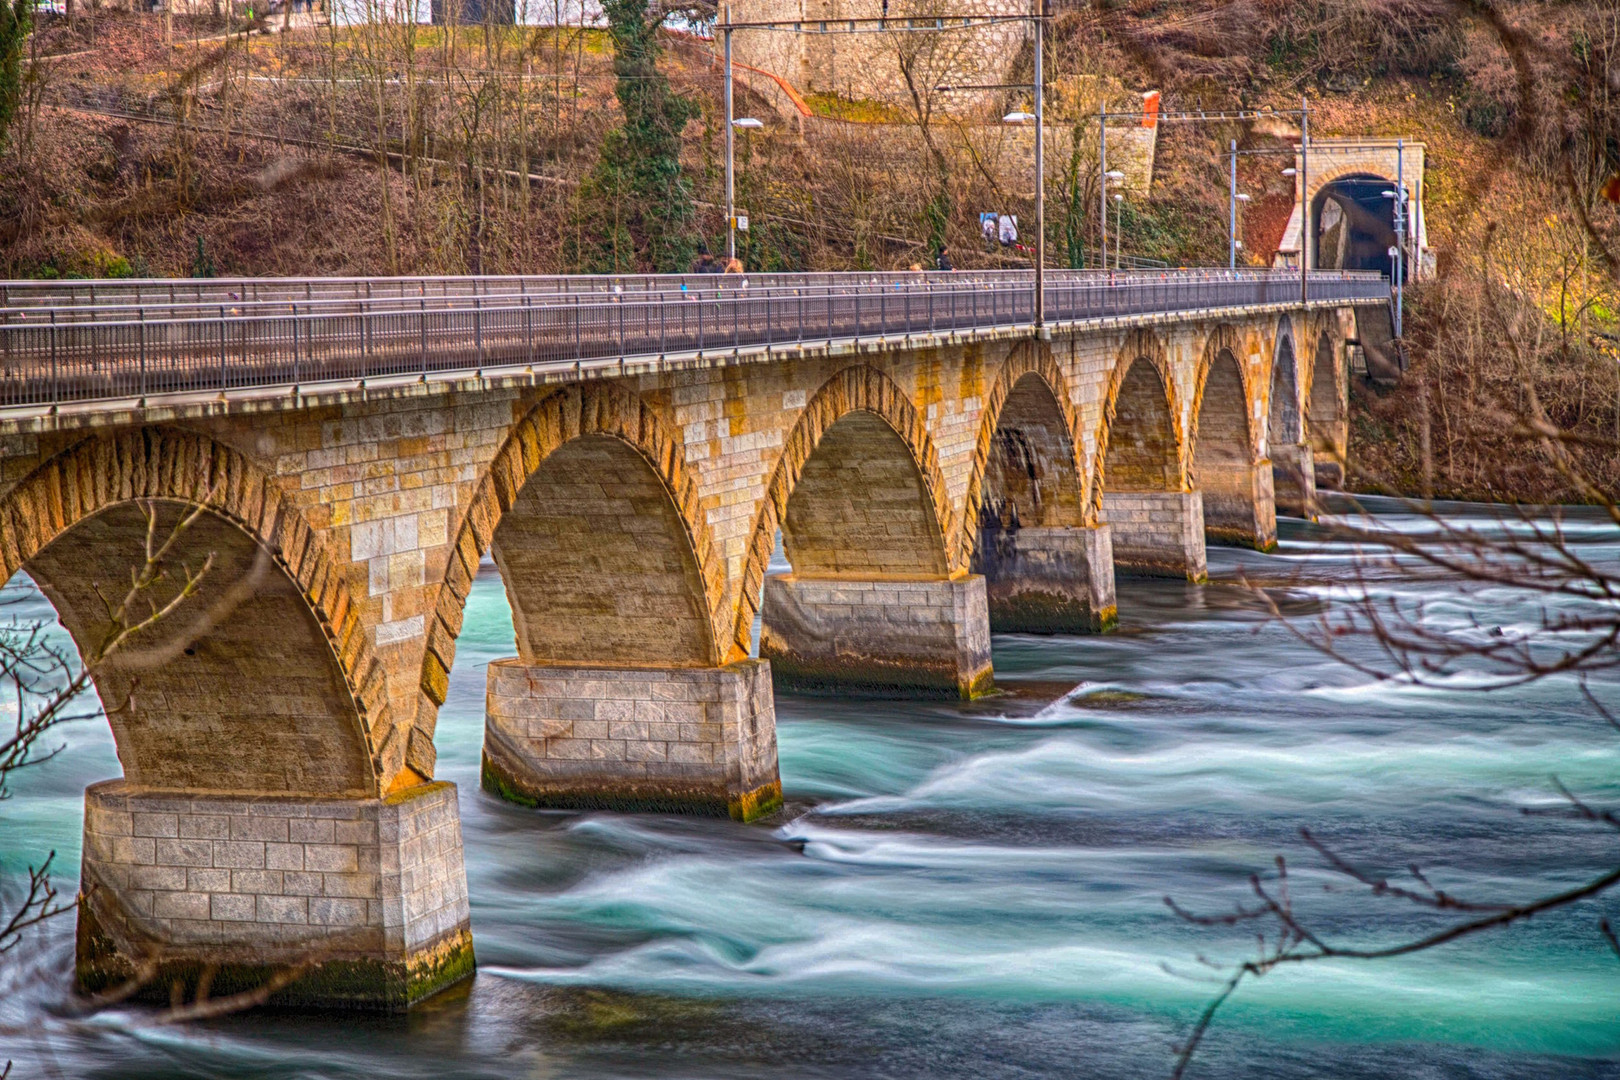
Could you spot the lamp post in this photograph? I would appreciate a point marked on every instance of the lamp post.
(1231, 213)
(747, 123)
(1110, 178)
(1240, 198)
(1397, 251)
(1039, 119)
(1119, 227)
(1304, 202)
(1102, 174)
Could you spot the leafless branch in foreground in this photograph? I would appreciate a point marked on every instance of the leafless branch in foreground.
(1573, 632)
(42, 683)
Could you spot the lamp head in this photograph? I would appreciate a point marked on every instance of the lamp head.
(747, 122)
(1290, 171)
(1017, 118)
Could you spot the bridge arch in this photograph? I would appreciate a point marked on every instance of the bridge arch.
(1139, 444)
(262, 682)
(1232, 477)
(1327, 424)
(600, 539)
(1220, 428)
(859, 448)
(1285, 425)
(1024, 460)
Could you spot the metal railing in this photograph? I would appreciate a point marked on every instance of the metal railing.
(61, 343)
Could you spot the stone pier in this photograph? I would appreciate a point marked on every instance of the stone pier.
(693, 740)
(1158, 533)
(903, 638)
(1048, 580)
(362, 902)
(1239, 505)
(1293, 474)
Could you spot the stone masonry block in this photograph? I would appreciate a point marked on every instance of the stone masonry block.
(630, 752)
(939, 647)
(233, 909)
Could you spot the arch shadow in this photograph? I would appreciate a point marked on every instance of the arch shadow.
(261, 682)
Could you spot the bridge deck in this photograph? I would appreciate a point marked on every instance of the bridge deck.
(65, 342)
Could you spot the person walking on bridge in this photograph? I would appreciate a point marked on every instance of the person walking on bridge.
(942, 261)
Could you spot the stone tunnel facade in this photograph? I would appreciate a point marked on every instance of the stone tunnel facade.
(277, 735)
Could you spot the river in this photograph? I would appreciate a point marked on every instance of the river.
(977, 890)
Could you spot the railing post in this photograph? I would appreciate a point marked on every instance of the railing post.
(421, 326)
(577, 347)
(478, 333)
(528, 328)
(56, 389)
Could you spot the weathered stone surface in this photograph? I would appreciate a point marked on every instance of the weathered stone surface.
(1157, 534)
(1293, 478)
(1048, 580)
(365, 900)
(686, 740)
(897, 637)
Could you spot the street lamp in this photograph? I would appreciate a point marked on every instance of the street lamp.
(1397, 252)
(747, 123)
(1039, 119)
(1119, 227)
(1400, 197)
(1110, 177)
(1241, 197)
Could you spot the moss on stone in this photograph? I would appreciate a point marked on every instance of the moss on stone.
(629, 796)
(359, 983)
(870, 677)
(1037, 611)
(752, 805)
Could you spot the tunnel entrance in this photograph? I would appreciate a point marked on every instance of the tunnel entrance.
(1355, 224)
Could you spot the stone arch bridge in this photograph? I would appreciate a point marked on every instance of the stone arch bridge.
(278, 803)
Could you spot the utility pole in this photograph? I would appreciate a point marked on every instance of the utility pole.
(1304, 202)
(1102, 173)
(1231, 227)
(731, 185)
(1400, 228)
(1040, 169)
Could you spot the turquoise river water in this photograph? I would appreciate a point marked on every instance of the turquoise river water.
(977, 890)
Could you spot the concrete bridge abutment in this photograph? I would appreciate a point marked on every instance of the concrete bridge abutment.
(880, 637)
(682, 740)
